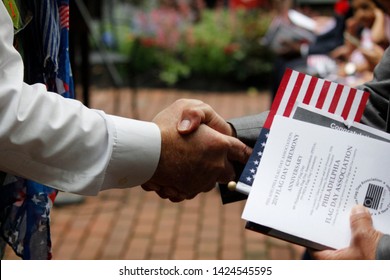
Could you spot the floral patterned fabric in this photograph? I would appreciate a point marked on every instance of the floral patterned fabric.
(25, 205)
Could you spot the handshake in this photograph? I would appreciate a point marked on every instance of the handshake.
(198, 150)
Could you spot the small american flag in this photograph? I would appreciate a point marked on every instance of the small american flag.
(295, 88)
(373, 196)
(64, 15)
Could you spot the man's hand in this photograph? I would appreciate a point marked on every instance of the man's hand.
(364, 239)
(195, 162)
(195, 112)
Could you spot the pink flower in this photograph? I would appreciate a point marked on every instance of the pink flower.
(231, 48)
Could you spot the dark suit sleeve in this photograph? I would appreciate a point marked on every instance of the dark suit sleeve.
(248, 128)
(383, 249)
(376, 112)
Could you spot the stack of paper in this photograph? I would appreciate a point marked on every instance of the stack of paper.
(313, 162)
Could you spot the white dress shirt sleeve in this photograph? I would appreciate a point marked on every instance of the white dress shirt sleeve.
(63, 144)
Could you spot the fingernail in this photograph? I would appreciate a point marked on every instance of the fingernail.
(359, 209)
(184, 125)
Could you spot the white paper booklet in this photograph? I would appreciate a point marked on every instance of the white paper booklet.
(309, 178)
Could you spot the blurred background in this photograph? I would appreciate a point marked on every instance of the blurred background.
(190, 44)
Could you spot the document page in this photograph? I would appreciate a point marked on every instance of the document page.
(309, 178)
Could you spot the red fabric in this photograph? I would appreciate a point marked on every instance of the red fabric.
(246, 4)
(341, 7)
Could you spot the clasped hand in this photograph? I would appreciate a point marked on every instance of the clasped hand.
(197, 151)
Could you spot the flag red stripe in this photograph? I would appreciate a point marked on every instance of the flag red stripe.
(362, 106)
(278, 98)
(323, 93)
(336, 98)
(310, 90)
(64, 16)
(294, 95)
(348, 103)
(335, 95)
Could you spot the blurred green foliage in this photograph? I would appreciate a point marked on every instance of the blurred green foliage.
(222, 45)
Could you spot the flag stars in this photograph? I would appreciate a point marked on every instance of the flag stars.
(249, 179)
(256, 162)
(252, 171)
(35, 200)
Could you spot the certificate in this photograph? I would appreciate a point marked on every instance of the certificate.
(309, 178)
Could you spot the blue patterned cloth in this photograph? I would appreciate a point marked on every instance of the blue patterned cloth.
(25, 205)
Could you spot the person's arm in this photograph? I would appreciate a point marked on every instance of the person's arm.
(61, 143)
(248, 128)
(376, 112)
(378, 28)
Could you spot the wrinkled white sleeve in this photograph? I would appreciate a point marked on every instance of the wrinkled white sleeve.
(63, 144)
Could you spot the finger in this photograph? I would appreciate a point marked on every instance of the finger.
(150, 187)
(171, 196)
(210, 187)
(360, 219)
(238, 151)
(323, 255)
(176, 199)
(214, 120)
(172, 193)
(162, 194)
(192, 118)
(342, 254)
(228, 174)
(192, 196)
(146, 188)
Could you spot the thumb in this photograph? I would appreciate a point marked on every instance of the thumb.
(360, 219)
(192, 118)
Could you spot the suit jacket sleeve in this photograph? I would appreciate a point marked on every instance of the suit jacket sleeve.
(376, 112)
(383, 248)
(248, 128)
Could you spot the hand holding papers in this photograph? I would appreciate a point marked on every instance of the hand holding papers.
(310, 177)
(304, 177)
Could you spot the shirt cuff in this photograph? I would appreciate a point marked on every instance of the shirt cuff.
(135, 153)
